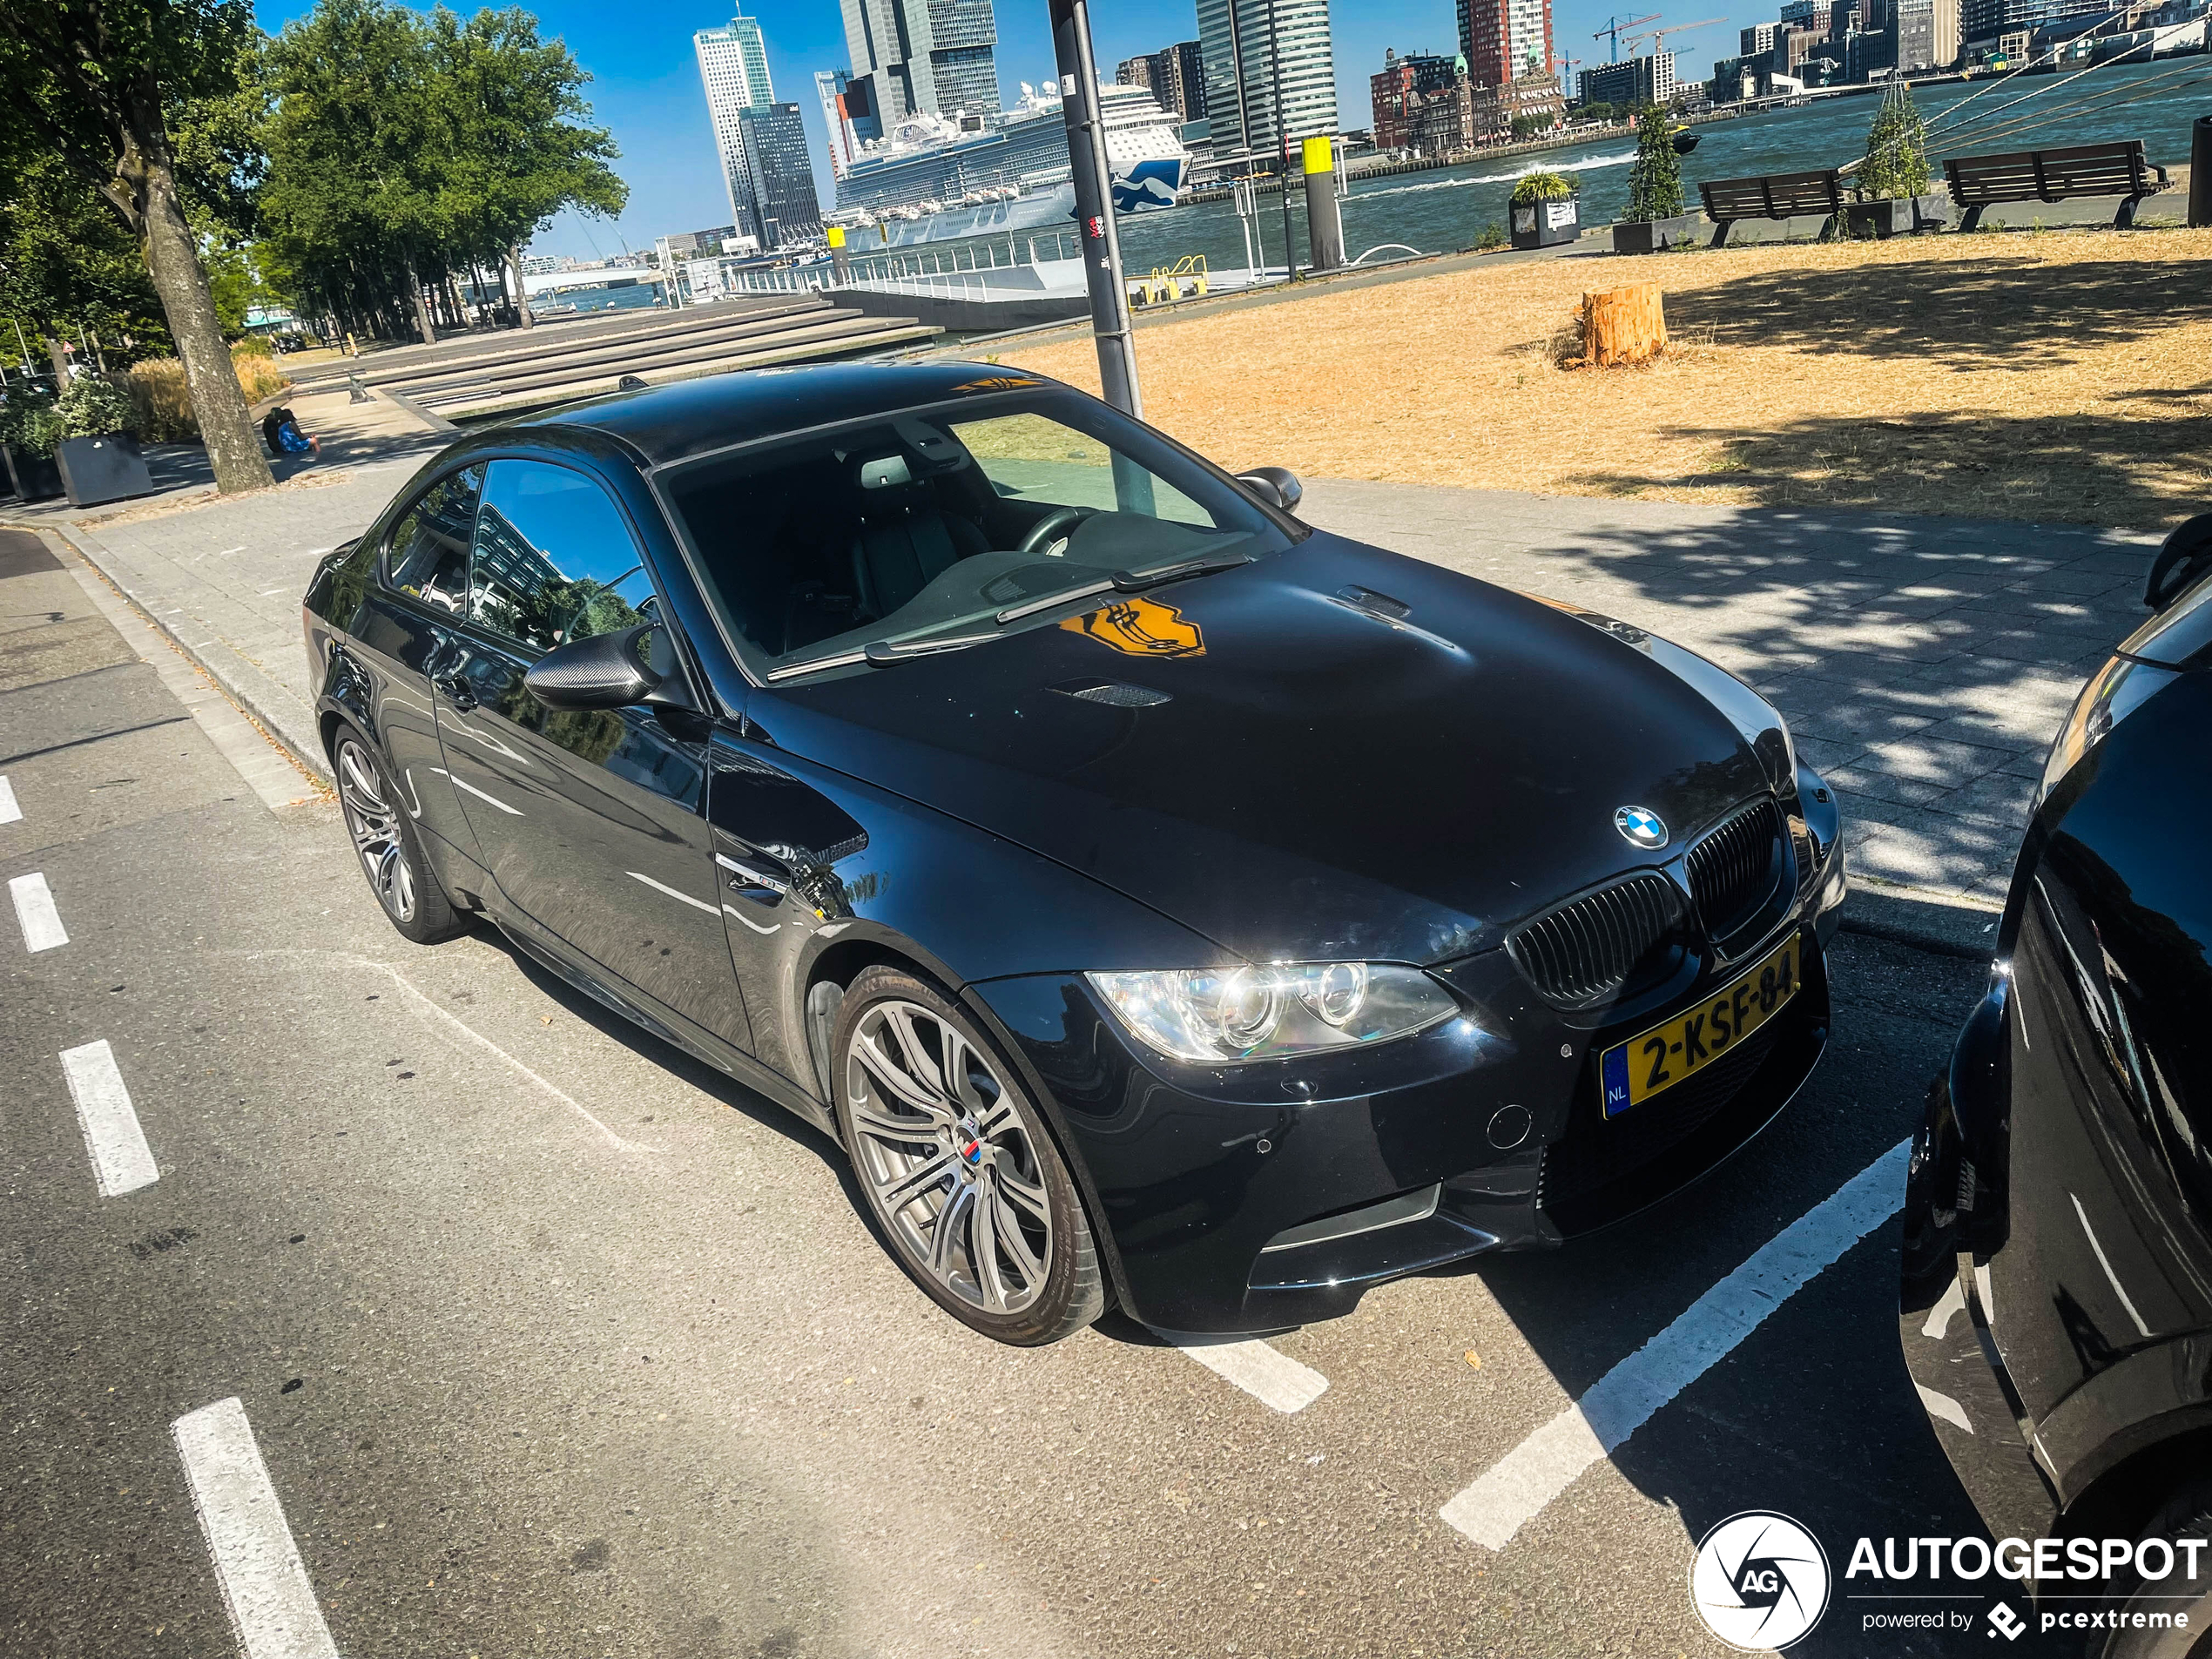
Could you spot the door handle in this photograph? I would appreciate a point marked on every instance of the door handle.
(748, 875)
(457, 690)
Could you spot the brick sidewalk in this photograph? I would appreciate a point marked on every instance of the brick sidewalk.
(1925, 663)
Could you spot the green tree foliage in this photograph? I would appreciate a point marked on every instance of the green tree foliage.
(95, 85)
(66, 264)
(1655, 180)
(405, 149)
(1897, 149)
(1531, 126)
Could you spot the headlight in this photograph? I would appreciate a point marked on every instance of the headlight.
(1267, 1012)
(2114, 692)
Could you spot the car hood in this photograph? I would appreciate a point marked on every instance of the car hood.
(1321, 782)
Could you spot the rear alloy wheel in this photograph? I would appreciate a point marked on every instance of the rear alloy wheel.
(390, 853)
(2182, 1600)
(957, 1166)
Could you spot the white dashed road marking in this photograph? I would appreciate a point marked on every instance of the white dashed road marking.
(265, 1583)
(1516, 1489)
(42, 923)
(9, 813)
(122, 1162)
(1267, 1374)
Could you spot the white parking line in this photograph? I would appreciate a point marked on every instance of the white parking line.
(1267, 1374)
(41, 922)
(265, 1584)
(1516, 1488)
(122, 1162)
(9, 813)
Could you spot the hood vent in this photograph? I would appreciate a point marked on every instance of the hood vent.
(1114, 693)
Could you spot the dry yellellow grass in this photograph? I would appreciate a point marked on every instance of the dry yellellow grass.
(157, 387)
(2058, 375)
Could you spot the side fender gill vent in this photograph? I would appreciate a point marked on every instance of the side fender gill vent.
(1114, 693)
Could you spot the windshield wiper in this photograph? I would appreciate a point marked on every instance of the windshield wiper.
(880, 651)
(1127, 582)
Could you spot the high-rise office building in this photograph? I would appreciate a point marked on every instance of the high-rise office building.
(1927, 34)
(1257, 53)
(734, 66)
(1505, 40)
(912, 56)
(1176, 77)
(785, 210)
(849, 115)
(1759, 38)
(1633, 82)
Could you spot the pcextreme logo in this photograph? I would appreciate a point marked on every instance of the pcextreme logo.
(1760, 1580)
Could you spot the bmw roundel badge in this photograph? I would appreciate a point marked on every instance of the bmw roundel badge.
(1640, 825)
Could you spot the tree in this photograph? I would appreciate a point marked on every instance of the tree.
(1896, 168)
(405, 150)
(65, 263)
(96, 82)
(1655, 181)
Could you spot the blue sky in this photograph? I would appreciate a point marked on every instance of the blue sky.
(646, 84)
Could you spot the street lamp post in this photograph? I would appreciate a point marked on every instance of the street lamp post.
(1281, 144)
(1100, 240)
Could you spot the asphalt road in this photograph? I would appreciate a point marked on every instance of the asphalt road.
(550, 1341)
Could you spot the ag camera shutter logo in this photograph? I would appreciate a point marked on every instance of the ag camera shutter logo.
(1760, 1580)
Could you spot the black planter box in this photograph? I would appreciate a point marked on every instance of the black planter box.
(35, 477)
(1654, 234)
(97, 469)
(1896, 216)
(1547, 224)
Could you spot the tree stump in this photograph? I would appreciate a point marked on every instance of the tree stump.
(1623, 325)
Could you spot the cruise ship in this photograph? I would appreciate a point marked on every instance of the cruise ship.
(937, 177)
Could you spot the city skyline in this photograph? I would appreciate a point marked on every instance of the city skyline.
(646, 86)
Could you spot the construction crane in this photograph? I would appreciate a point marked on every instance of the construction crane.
(1655, 34)
(1613, 28)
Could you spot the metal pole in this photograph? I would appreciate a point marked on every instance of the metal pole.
(1101, 240)
(1324, 222)
(1282, 143)
(2201, 171)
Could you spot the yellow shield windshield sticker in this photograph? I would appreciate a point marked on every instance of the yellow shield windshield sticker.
(1141, 627)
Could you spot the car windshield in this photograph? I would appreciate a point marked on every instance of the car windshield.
(946, 525)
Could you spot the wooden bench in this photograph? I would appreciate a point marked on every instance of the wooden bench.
(1782, 195)
(2052, 175)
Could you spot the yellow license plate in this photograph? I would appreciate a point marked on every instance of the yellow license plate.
(1634, 1071)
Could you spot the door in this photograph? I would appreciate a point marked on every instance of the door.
(407, 635)
(591, 822)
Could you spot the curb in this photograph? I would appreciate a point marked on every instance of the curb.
(1934, 922)
(88, 547)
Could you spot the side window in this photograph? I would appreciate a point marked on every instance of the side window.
(554, 560)
(428, 555)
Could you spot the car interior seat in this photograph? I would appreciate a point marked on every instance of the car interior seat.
(905, 541)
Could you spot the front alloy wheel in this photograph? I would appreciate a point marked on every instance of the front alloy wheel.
(957, 1166)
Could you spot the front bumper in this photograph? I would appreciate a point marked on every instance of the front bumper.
(1256, 1197)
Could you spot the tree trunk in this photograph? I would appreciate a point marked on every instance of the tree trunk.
(521, 294)
(59, 357)
(421, 305)
(1623, 325)
(147, 190)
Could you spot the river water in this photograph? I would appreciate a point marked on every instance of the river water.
(1446, 209)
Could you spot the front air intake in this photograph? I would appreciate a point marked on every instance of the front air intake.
(1592, 949)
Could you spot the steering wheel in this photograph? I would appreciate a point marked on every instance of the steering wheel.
(1054, 523)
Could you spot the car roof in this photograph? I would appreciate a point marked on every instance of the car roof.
(670, 423)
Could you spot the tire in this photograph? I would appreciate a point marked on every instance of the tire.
(2187, 1514)
(385, 839)
(1019, 1263)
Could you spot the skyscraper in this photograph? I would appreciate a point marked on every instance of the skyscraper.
(847, 115)
(1176, 78)
(1240, 41)
(784, 211)
(912, 56)
(1506, 40)
(734, 66)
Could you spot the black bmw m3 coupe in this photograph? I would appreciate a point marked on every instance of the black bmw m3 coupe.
(1162, 901)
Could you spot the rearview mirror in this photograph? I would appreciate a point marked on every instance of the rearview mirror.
(616, 670)
(2185, 555)
(1277, 486)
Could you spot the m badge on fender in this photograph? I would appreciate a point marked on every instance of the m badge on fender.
(1141, 627)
